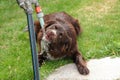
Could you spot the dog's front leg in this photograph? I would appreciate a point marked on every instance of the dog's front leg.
(41, 59)
(80, 63)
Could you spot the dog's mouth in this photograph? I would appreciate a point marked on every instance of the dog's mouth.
(50, 36)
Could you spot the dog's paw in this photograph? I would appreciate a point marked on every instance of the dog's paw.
(83, 70)
(40, 61)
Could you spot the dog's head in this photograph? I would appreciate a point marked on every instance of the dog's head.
(56, 35)
(54, 32)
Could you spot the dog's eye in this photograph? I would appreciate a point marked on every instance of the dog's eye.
(55, 27)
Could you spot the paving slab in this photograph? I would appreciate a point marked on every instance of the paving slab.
(100, 69)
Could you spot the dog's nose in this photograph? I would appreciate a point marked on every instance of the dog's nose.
(50, 35)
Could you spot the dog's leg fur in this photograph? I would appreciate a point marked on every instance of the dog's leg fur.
(80, 63)
(41, 59)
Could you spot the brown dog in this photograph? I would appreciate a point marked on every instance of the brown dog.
(59, 39)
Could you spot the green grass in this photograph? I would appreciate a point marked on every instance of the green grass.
(100, 21)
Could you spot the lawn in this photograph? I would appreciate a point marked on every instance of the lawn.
(99, 19)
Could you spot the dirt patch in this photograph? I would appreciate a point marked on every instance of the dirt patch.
(97, 9)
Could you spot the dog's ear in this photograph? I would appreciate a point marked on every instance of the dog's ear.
(66, 46)
(77, 26)
(38, 33)
(68, 43)
(37, 26)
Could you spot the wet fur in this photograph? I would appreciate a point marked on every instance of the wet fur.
(69, 46)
